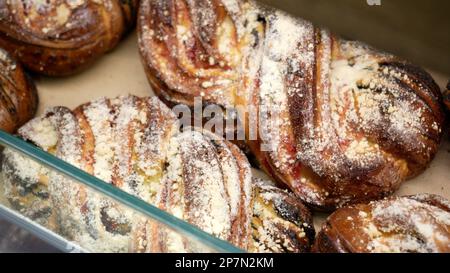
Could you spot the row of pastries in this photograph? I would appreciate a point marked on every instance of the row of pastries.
(341, 127)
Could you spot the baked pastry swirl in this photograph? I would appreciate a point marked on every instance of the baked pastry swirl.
(343, 123)
(18, 95)
(135, 144)
(61, 37)
(419, 223)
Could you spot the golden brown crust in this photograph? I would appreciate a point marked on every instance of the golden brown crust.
(347, 123)
(207, 183)
(281, 223)
(62, 37)
(419, 223)
(18, 94)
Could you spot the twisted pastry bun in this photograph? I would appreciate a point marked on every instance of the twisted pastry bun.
(18, 95)
(61, 37)
(419, 223)
(136, 145)
(207, 183)
(344, 123)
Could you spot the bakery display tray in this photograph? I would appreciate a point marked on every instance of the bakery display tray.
(120, 73)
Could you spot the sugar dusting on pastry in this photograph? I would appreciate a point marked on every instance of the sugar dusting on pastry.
(136, 146)
(98, 114)
(117, 126)
(274, 93)
(409, 224)
(60, 37)
(331, 111)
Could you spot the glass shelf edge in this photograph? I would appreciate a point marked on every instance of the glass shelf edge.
(109, 190)
(39, 231)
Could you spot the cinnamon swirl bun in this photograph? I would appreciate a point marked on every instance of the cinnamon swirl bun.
(337, 121)
(419, 223)
(61, 37)
(136, 145)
